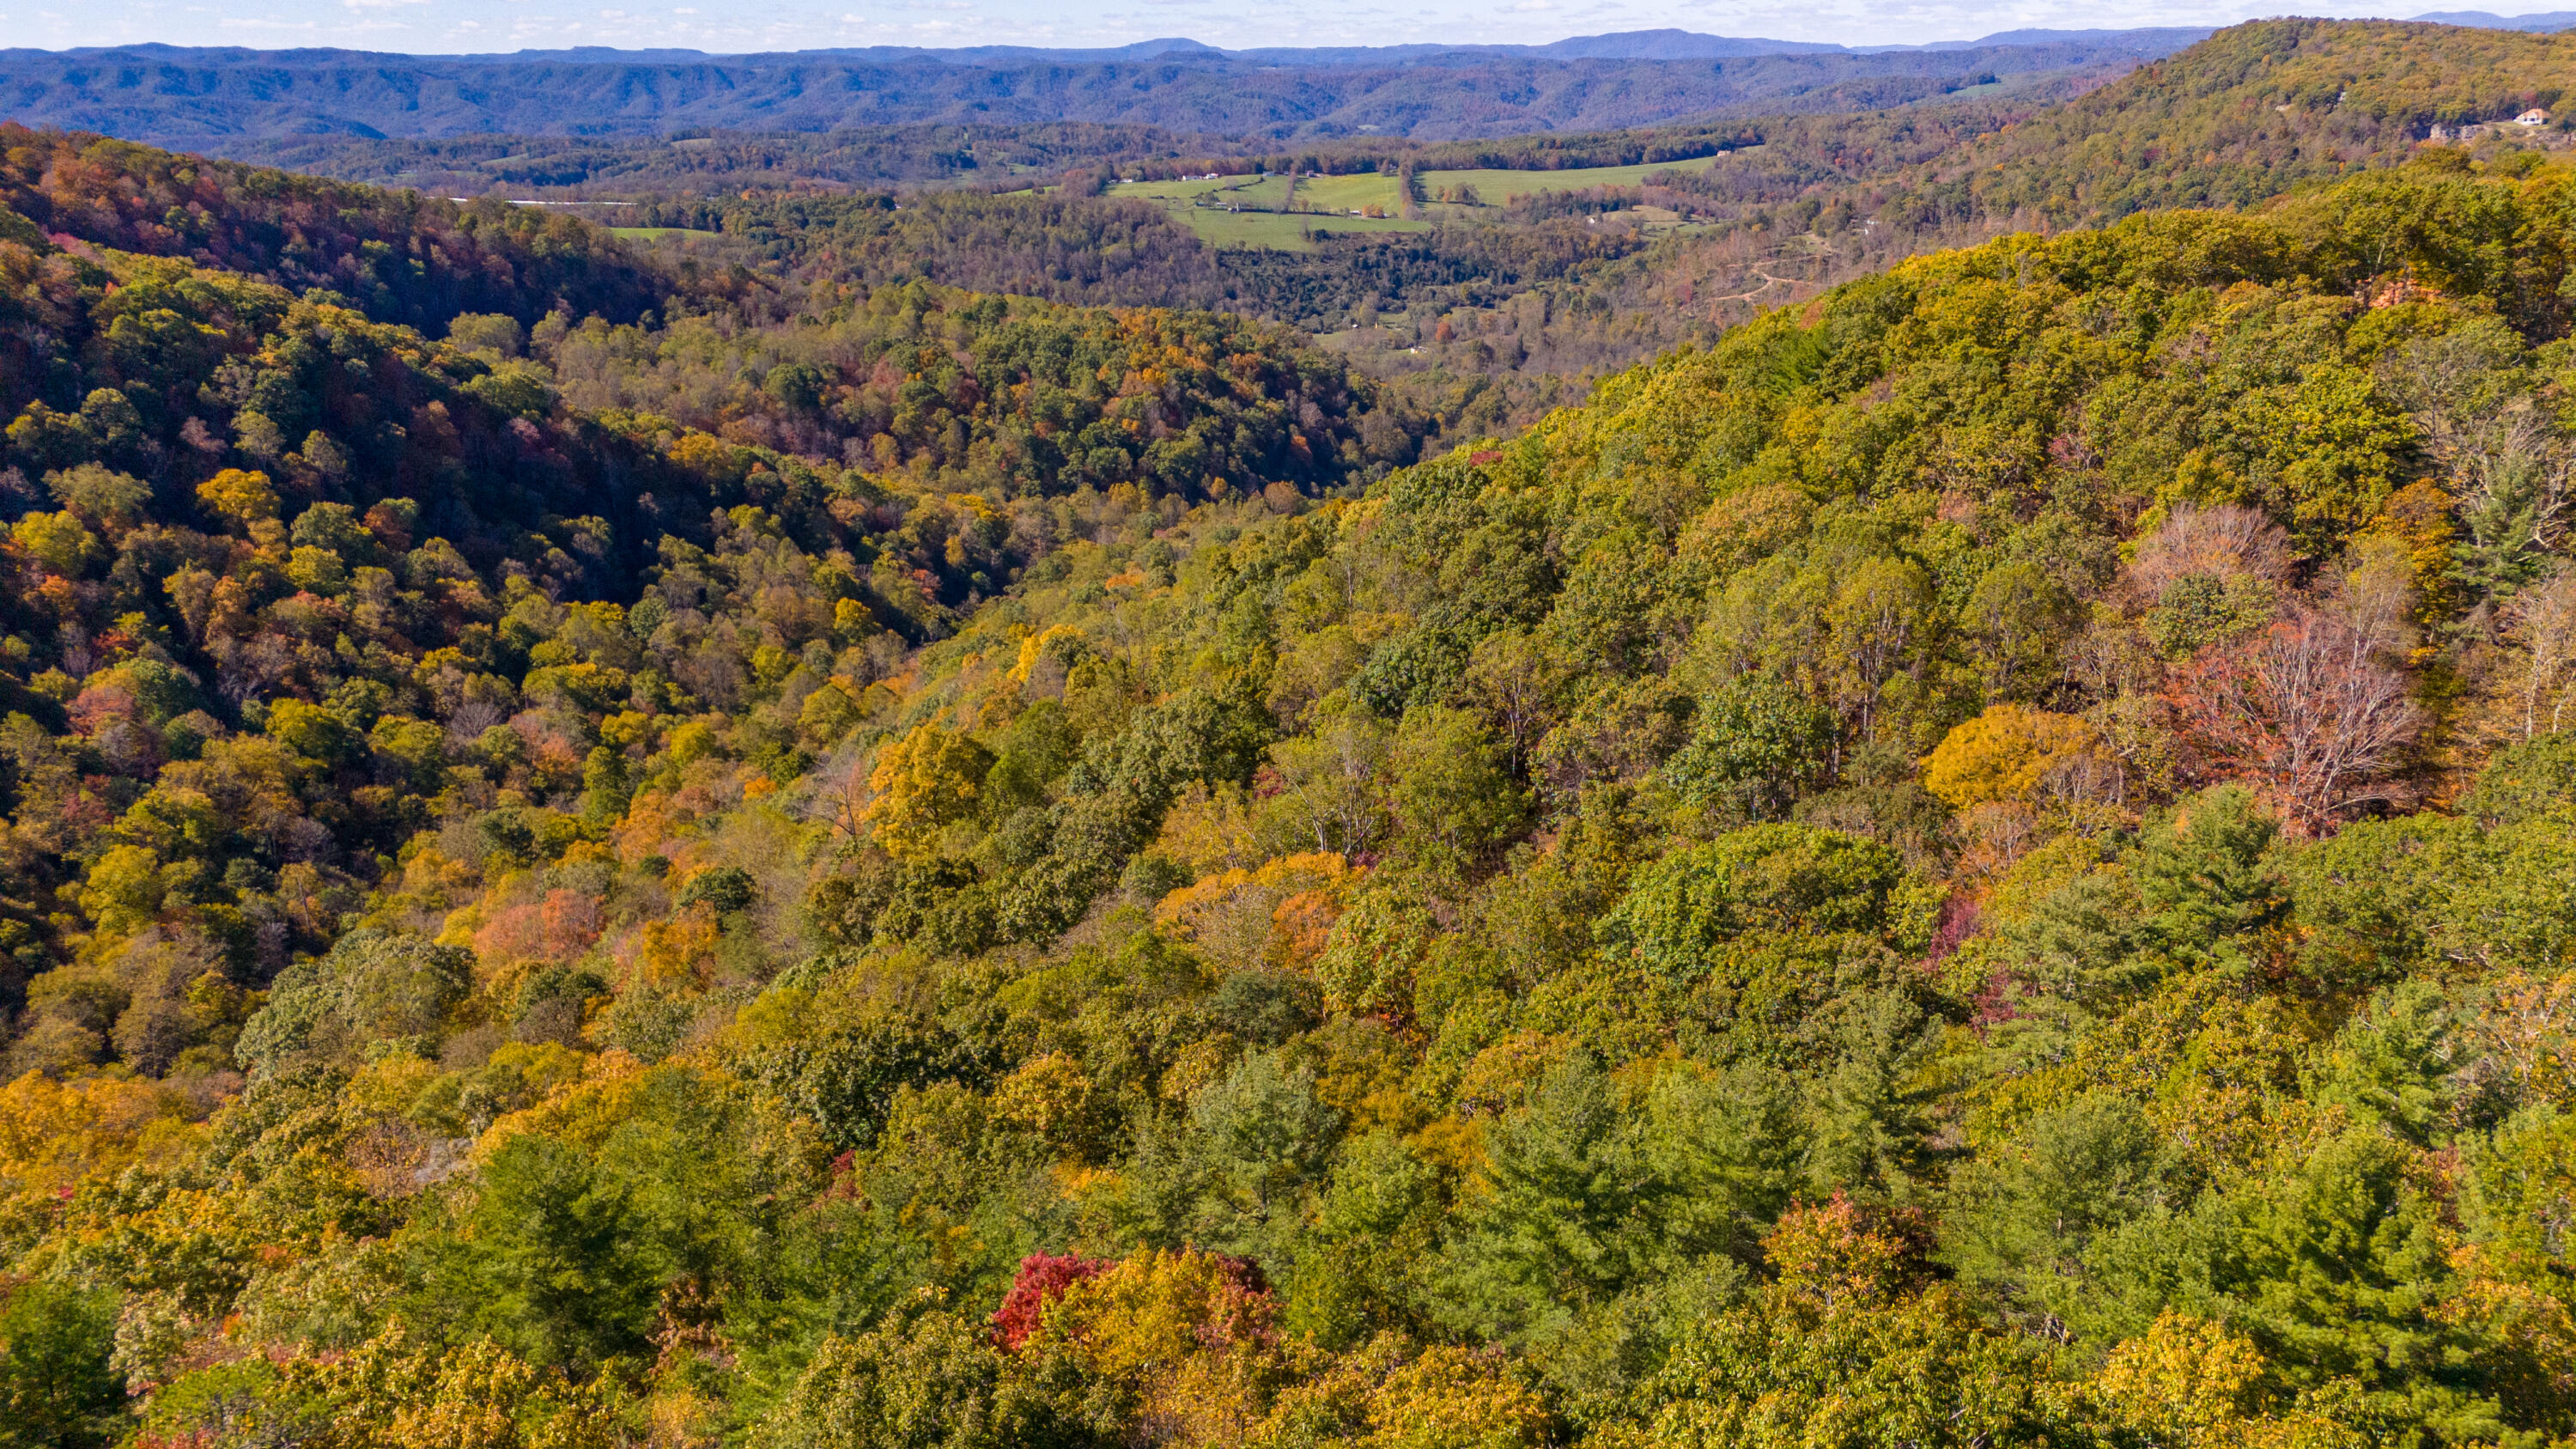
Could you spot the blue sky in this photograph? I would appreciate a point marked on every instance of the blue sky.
(447, 26)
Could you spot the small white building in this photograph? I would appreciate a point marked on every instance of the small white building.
(2533, 117)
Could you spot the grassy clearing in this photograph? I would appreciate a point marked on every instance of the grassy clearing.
(1269, 192)
(1263, 220)
(1327, 202)
(1495, 188)
(1350, 193)
(1181, 191)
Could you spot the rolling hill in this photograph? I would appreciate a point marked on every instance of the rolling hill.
(855, 865)
(207, 99)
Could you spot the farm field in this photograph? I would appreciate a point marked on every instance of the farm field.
(1284, 231)
(1267, 192)
(1265, 218)
(1495, 187)
(1350, 193)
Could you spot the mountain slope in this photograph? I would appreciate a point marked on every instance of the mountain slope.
(182, 97)
(398, 256)
(226, 502)
(2258, 109)
(2252, 112)
(1878, 883)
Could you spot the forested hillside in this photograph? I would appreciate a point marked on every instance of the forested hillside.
(717, 165)
(398, 256)
(2251, 112)
(1788, 206)
(2255, 111)
(203, 98)
(747, 857)
(223, 496)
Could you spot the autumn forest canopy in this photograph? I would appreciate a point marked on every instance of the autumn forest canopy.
(949, 820)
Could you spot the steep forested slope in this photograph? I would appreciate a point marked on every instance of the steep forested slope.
(1983, 862)
(397, 256)
(2251, 112)
(224, 497)
(2257, 109)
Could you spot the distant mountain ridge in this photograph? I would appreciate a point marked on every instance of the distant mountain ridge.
(1666, 44)
(2546, 24)
(1663, 44)
(200, 99)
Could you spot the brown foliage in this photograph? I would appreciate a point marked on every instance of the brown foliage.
(2310, 713)
(2223, 542)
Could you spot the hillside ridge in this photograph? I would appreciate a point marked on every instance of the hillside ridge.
(184, 97)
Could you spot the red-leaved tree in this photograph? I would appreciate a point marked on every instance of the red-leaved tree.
(1042, 1279)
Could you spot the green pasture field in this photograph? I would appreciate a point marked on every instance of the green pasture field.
(1264, 220)
(1267, 192)
(1182, 191)
(1495, 188)
(1328, 201)
(1282, 231)
(1350, 193)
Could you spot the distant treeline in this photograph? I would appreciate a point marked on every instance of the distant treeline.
(693, 161)
(1102, 251)
(1511, 153)
(714, 163)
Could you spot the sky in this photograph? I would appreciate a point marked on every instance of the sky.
(454, 26)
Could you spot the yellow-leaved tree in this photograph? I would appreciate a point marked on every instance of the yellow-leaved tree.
(2008, 754)
(923, 782)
